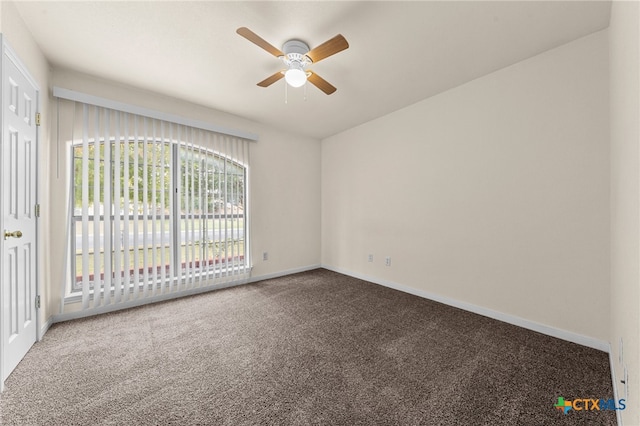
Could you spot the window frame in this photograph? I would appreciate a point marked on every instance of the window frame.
(220, 267)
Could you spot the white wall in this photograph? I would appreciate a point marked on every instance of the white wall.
(494, 194)
(284, 182)
(624, 35)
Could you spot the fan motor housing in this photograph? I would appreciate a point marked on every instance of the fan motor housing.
(295, 46)
(295, 54)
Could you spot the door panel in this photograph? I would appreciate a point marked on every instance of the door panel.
(18, 168)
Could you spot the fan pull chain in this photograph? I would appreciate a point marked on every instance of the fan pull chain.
(305, 91)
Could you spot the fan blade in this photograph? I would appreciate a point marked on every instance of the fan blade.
(271, 79)
(328, 48)
(321, 83)
(259, 41)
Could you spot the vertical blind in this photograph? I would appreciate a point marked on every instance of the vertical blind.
(156, 207)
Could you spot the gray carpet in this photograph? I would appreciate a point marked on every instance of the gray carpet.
(310, 348)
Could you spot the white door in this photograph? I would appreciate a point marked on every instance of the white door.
(18, 199)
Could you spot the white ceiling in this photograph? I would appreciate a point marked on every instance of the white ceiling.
(400, 52)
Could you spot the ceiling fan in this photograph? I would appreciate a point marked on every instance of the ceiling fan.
(297, 56)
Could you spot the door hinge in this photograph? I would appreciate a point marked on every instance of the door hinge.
(36, 210)
(38, 302)
(38, 119)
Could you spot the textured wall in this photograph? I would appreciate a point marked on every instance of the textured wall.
(495, 193)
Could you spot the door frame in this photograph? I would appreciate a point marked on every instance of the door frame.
(8, 54)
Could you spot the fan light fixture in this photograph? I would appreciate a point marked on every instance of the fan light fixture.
(296, 61)
(295, 75)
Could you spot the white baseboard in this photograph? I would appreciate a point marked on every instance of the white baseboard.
(45, 327)
(284, 273)
(500, 316)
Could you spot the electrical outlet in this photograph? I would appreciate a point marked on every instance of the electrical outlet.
(387, 261)
(370, 258)
(265, 256)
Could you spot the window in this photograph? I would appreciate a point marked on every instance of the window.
(157, 207)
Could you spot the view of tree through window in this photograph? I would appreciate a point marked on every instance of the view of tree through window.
(167, 211)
